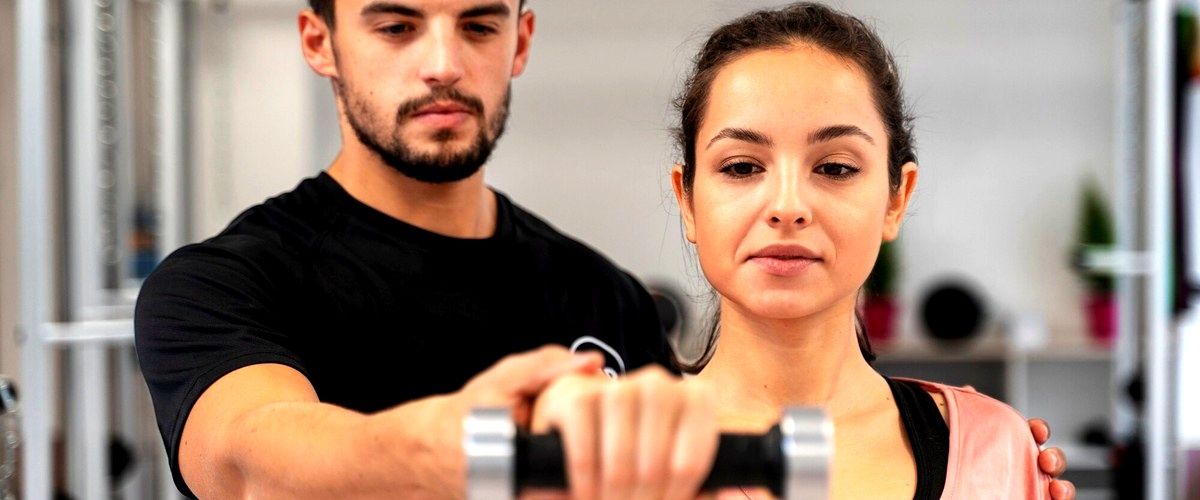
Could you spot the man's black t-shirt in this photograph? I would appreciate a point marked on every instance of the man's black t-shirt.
(374, 311)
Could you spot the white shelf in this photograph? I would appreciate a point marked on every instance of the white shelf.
(991, 349)
(928, 351)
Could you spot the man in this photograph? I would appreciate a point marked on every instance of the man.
(329, 342)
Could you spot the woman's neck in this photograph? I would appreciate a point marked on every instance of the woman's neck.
(762, 365)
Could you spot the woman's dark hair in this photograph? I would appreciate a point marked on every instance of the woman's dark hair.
(324, 8)
(797, 24)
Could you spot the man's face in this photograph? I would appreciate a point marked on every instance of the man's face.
(425, 83)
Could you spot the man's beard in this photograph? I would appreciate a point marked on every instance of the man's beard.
(439, 167)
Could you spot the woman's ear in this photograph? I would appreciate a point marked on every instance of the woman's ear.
(898, 202)
(684, 202)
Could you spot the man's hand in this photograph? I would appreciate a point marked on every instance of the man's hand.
(1052, 461)
(513, 382)
(516, 381)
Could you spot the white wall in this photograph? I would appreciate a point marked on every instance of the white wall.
(252, 104)
(8, 191)
(1013, 102)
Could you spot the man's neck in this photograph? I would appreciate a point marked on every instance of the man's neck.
(462, 209)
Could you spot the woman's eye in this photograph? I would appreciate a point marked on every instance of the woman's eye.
(836, 170)
(740, 169)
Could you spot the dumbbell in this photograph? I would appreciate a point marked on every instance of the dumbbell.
(792, 459)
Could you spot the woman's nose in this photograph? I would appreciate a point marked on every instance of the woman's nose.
(789, 205)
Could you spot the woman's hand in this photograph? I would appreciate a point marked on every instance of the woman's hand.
(647, 435)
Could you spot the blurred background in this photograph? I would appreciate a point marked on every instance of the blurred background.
(1049, 260)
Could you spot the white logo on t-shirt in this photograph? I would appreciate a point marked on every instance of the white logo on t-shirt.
(588, 340)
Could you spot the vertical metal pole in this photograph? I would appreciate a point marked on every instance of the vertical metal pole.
(170, 71)
(121, 197)
(129, 422)
(1129, 151)
(1160, 51)
(88, 437)
(34, 161)
(85, 141)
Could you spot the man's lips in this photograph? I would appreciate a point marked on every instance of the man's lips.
(443, 115)
(442, 108)
(784, 259)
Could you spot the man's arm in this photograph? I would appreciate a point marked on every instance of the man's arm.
(1052, 461)
(261, 431)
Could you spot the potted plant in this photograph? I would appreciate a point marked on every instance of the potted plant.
(1096, 235)
(879, 305)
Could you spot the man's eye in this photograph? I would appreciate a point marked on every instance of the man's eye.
(396, 29)
(836, 170)
(740, 169)
(480, 29)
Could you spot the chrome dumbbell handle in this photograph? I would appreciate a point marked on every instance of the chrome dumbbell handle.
(792, 460)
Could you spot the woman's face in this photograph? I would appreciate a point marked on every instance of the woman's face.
(791, 198)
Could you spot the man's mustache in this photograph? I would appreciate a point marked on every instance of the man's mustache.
(440, 94)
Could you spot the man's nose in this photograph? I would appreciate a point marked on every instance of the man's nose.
(442, 65)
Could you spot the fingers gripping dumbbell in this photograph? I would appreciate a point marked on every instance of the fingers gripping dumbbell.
(792, 459)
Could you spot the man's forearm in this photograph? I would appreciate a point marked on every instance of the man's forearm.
(311, 450)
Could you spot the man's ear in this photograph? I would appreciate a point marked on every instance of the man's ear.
(316, 42)
(684, 202)
(898, 202)
(525, 27)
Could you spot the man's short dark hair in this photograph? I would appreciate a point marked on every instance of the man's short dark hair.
(324, 8)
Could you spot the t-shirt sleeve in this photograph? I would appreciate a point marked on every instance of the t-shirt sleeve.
(208, 310)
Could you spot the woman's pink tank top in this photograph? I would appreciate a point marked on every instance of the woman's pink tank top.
(992, 452)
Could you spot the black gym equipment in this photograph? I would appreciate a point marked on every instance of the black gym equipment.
(792, 459)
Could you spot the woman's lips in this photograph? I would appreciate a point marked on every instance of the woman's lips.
(783, 266)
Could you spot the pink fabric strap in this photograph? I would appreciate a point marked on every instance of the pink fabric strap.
(992, 452)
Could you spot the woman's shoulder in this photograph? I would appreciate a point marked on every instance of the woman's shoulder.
(991, 446)
(979, 409)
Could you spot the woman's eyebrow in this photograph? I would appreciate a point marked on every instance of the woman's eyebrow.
(741, 134)
(834, 131)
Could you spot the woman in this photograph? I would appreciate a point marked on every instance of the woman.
(797, 163)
